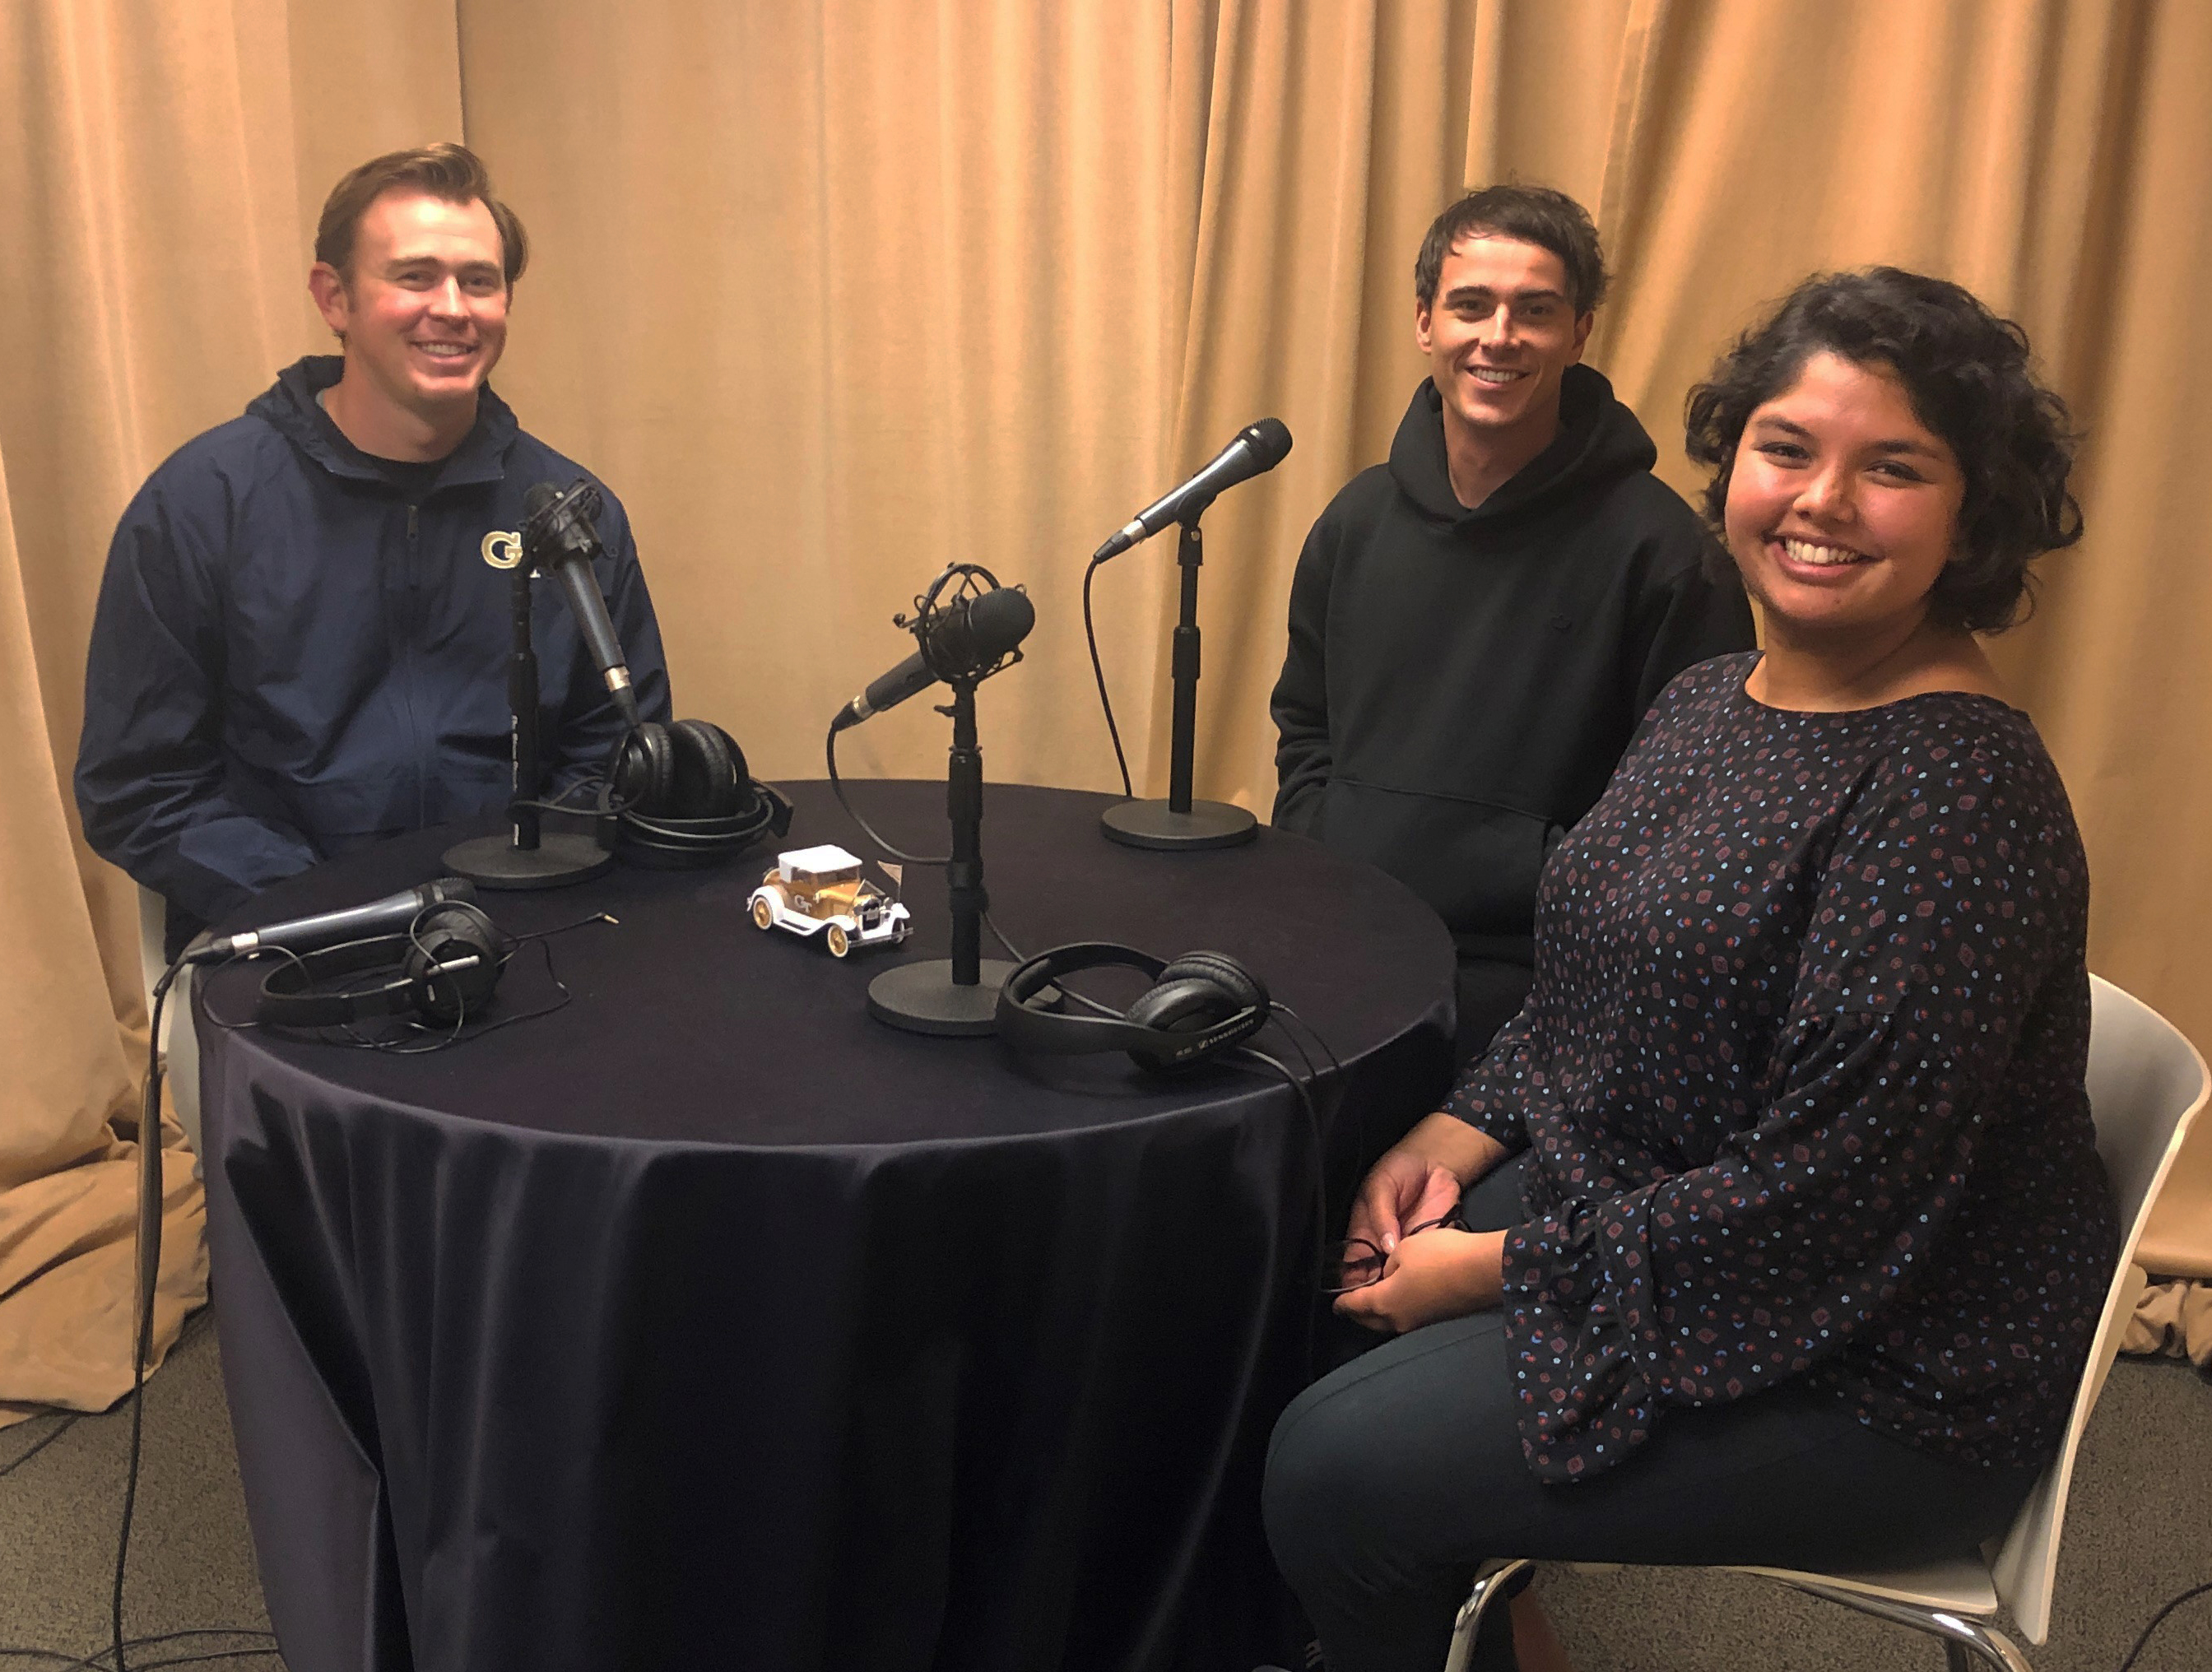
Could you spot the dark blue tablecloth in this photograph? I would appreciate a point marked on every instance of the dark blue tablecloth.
(705, 1323)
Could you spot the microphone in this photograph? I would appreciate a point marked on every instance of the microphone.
(966, 637)
(1257, 449)
(557, 536)
(389, 915)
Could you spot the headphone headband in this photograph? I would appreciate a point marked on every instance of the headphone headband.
(695, 841)
(1200, 1004)
(1031, 977)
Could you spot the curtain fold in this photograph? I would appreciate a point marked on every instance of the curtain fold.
(158, 190)
(2112, 665)
(1336, 133)
(834, 295)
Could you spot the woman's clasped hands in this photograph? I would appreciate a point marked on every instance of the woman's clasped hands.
(1406, 1216)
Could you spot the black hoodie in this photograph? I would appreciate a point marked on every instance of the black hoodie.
(1460, 683)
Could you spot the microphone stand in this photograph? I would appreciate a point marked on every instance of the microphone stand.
(958, 995)
(1179, 822)
(525, 857)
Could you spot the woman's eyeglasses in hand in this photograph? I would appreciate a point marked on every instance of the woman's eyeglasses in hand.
(1356, 1262)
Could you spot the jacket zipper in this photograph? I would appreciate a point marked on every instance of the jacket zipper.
(413, 593)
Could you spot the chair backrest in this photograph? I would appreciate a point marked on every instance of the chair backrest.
(2146, 1084)
(153, 931)
(178, 1044)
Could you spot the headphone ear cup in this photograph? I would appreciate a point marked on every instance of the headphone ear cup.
(1247, 988)
(1189, 1006)
(708, 771)
(643, 774)
(1196, 992)
(444, 934)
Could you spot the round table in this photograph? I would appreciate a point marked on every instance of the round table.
(706, 1322)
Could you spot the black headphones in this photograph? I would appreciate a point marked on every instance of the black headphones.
(681, 796)
(443, 971)
(1198, 1005)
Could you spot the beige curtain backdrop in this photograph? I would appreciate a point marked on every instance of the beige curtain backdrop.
(834, 294)
(159, 182)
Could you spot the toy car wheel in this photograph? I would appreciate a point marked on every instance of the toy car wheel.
(839, 942)
(763, 913)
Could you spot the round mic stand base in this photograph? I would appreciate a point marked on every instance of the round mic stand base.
(494, 861)
(923, 998)
(1158, 824)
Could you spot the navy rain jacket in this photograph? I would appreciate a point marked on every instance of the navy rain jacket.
(289, 660)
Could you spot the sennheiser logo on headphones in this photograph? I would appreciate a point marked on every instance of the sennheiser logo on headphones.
(502, 549)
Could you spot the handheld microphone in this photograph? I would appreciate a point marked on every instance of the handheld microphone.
(390, 915)
(966, 637)
(1258, 448)
(557, 537)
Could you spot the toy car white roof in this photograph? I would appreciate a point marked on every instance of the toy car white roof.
(828, 856)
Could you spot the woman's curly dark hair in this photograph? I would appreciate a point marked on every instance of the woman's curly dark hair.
(1967, 375)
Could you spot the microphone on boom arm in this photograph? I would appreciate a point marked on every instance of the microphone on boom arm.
(961, 640)
(558, 538)
(1258, 448)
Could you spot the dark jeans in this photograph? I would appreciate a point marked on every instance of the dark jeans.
(1392, 1478)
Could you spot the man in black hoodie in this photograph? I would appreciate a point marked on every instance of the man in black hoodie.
(303, 627)
(1478, 627)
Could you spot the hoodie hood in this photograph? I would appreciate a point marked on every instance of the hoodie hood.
(1599, 441)
(288, 407)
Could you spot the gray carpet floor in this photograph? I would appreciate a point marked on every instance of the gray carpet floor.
(2139, 1530)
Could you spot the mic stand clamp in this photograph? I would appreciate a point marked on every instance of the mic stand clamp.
(958, 995)
(527, 857)
(1180, 822)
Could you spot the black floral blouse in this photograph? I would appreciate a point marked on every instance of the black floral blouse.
(1802, 1072)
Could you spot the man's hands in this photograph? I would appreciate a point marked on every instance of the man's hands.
(1439, 1273)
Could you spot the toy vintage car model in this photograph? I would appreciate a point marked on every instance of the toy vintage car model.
(819, 890)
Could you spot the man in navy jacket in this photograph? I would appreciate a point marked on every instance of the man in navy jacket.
(302, 634)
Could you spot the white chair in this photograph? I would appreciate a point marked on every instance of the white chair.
(179, 1044)
(2146, 1084)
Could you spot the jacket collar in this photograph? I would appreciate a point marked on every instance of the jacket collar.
(288, 407)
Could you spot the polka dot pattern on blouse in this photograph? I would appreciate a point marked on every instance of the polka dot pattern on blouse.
(1803, 1070)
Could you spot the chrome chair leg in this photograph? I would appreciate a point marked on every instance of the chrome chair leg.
(1966, 1643)
(1488, 1580)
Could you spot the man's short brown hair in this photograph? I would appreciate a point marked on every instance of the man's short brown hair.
(451, 172)
(1532, 214)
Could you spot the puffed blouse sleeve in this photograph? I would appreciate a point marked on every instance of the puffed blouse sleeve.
(1491, 1092)
(1939, 911)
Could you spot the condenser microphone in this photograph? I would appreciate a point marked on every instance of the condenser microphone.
(390, 915)
(965, 638)
(558, 538)
(1257, 449)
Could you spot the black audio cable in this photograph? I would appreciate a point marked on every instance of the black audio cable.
(1098, 671)
(838, 785)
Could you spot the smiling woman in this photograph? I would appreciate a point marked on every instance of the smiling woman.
(1808, 1232)
(1886, 467)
